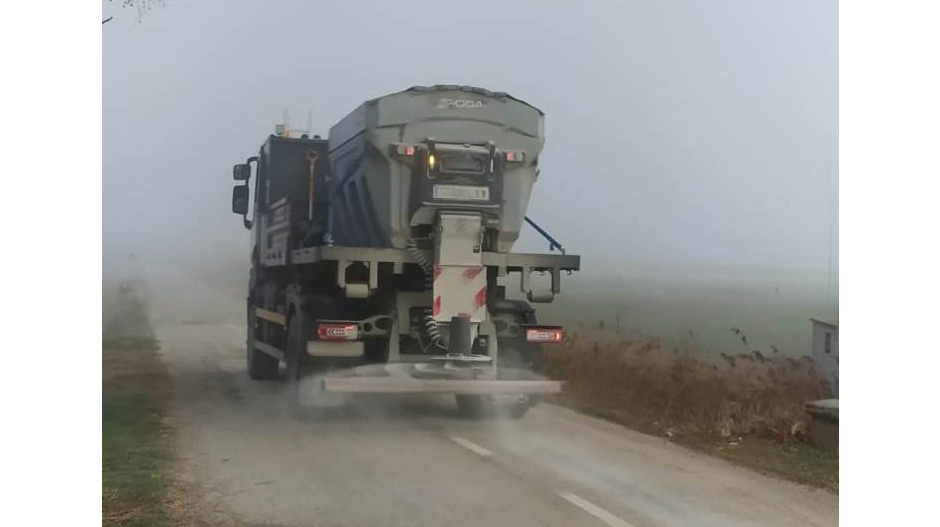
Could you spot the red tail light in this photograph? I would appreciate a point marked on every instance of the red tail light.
(545, 335)
(404, 149)
(337, 331)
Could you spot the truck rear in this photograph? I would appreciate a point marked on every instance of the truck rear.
(379, 254)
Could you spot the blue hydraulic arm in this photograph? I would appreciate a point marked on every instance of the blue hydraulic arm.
(553, 243)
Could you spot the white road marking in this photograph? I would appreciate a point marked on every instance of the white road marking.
(473, 447)
(594, 510)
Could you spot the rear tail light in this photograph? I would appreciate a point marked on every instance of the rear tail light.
(544, 334)
(515, 156)
(404, 149)
(337, 331)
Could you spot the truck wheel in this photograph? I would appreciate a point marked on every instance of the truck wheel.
(261, 366)
(517, 367)
(519, 408)
(294, 357)
(474, 406)
(305, 396)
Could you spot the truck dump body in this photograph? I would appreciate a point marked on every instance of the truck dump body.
(377, 196)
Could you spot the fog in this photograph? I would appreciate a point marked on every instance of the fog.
(684, 139)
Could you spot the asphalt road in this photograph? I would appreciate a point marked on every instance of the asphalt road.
(415, 462)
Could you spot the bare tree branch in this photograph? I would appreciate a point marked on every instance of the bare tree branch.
(139, 6)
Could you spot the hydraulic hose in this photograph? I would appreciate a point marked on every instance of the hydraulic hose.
(431, 328)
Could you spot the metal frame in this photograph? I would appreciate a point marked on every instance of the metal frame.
(397, 257)
(523, 263)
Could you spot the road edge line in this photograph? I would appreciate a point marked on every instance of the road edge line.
(471, 446)
(599, 513)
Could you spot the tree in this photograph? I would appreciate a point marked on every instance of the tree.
(140, 6)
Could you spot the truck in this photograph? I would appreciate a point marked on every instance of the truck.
(381, 255)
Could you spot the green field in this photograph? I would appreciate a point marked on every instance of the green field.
(696, 313)
(136, 453)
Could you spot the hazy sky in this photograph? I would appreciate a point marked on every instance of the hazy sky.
(678, 132)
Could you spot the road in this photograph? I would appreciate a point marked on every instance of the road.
(415, 462)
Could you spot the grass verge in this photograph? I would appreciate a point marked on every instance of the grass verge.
(796, 461)
(749, 411)
(136, 454)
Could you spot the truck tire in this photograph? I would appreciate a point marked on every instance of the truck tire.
(294, 370)
(510, 355)
(261, 366)
(513, 349)
(518, 358)
(305, 396)
(474, 406)
(517, 409)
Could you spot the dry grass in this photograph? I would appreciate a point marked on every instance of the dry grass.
(754, 397)
(135, 448)
(744, 394)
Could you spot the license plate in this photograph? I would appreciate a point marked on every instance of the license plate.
(461, 192)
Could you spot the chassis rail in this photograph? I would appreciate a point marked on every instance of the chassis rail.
(505, 261)
(523, 263)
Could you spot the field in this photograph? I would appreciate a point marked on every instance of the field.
(705, 314)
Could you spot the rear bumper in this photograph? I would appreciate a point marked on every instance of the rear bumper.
(450, 386)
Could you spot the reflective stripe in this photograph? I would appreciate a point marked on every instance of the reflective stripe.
(271, 316)
(459, 290)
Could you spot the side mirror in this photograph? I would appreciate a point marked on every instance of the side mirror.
(241, 172)
(240, 199)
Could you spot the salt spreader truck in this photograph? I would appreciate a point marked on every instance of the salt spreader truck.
(378, 254)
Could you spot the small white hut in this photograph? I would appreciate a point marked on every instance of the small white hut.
(826, 348)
